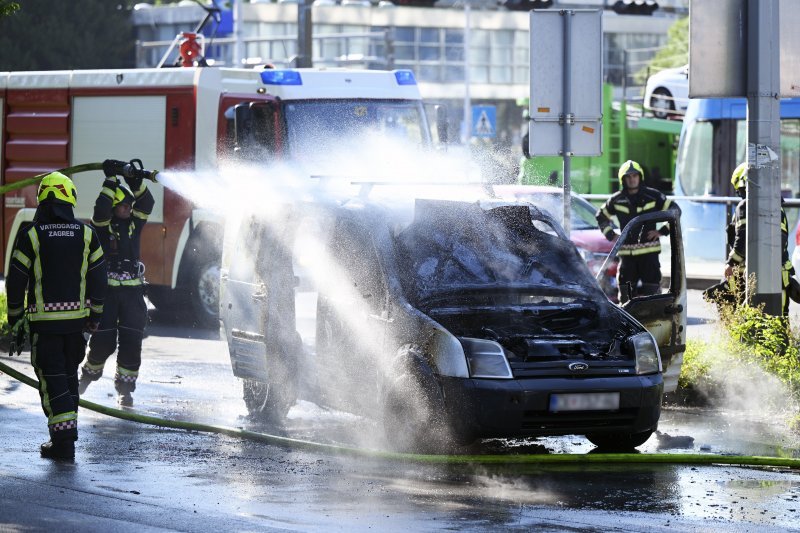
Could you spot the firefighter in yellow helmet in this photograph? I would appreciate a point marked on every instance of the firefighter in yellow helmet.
(639, 271)
(58, 262)
(737, 243)
(120, 214)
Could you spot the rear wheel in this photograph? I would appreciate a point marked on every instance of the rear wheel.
(661, 103)
(616, 442)
(203, 291)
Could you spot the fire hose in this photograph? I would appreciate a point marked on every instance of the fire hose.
(129, 169)
(495, 459)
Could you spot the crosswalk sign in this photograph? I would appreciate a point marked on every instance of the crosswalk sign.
(484, 121)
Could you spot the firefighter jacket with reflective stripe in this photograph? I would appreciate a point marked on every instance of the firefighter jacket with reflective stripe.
(625, 207)
(60, 262)
(121, 237)
(737, 237)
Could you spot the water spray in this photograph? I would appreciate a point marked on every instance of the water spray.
(495, 459)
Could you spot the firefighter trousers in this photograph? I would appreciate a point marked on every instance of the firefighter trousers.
(635, 268)
(124, 320)
(55, 359)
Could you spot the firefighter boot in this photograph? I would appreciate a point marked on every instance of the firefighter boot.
(58, 449)
(125, 399)
(89, 373)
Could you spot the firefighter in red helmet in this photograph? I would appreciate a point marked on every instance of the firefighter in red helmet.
(58, 261)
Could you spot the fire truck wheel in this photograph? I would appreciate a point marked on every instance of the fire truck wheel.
(203, 291)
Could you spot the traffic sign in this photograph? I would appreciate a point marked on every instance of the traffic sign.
(484, 121)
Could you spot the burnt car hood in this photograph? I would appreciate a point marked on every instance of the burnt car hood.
(456, 247)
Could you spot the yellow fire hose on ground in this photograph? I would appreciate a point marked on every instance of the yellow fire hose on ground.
(134, 169)
(511, 459)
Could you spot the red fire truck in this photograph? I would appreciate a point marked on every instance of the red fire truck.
(184, 118)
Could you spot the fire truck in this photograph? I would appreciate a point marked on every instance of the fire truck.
(190, 118)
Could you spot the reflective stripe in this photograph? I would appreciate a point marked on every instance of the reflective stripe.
(101, 224)
(37, 270)
(94, 368)
(125, 372)
(736, 257)
(606, 213)
(59, 315)
(140, 214)
(16, 311)
(667, 203)
(40, 374)
(96, 255)
(741, 222)
(640, 251)
(125, 283)
(96, 309)
(622, 209)
(62, 417)
(22, 258)
(87, 242)
(648, 205)
(607, 230)
(108, 192)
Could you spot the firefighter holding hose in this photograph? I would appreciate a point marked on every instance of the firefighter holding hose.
(120, 213)
(58, 261)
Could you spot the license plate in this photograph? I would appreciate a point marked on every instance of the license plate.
(584, 401)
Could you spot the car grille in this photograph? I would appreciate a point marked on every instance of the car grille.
(594, 368)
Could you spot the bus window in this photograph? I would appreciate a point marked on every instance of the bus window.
(694, 163)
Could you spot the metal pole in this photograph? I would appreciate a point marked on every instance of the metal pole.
(568, 117)
(237, 33)
(305, 46)
(467, 129)
(764, 248)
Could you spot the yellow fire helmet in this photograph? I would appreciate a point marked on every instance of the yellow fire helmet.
(627, 167)
(123, 196)
(58, 187)
(739, 176)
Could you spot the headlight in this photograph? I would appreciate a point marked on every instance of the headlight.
(485, 359)
(648, 360)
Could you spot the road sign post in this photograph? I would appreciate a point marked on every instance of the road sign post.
(566, 65)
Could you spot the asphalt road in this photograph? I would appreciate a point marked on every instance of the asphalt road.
(130, 476)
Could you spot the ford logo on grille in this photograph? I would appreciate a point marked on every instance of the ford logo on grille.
(578, 367)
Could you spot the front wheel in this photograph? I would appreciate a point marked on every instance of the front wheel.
(661, 103)
(619, 442)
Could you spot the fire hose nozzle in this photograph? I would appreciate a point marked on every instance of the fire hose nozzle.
(135, 169)
(131, 169)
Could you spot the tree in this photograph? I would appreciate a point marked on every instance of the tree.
(7, 7)
(66, 35)
(676, 52)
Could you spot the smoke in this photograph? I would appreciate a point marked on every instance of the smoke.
(343, 347)
(752, 401)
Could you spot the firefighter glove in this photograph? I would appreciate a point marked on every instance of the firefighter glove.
(611, 236)
(112, 167)
(135, 183)
(19, 334)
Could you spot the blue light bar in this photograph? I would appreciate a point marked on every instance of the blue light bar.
(281, 77)
(405, 77)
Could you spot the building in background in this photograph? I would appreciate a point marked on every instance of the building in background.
(491, 73)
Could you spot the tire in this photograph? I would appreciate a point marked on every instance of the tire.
(270, 401)
(661, 103)
(414, 417)
(619, 442)
(202, 292)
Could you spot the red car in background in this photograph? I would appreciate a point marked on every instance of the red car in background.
(584, 233)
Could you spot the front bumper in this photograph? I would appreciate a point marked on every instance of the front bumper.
(484, 408)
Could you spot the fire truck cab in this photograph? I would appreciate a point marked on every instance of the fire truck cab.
(191, 118)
